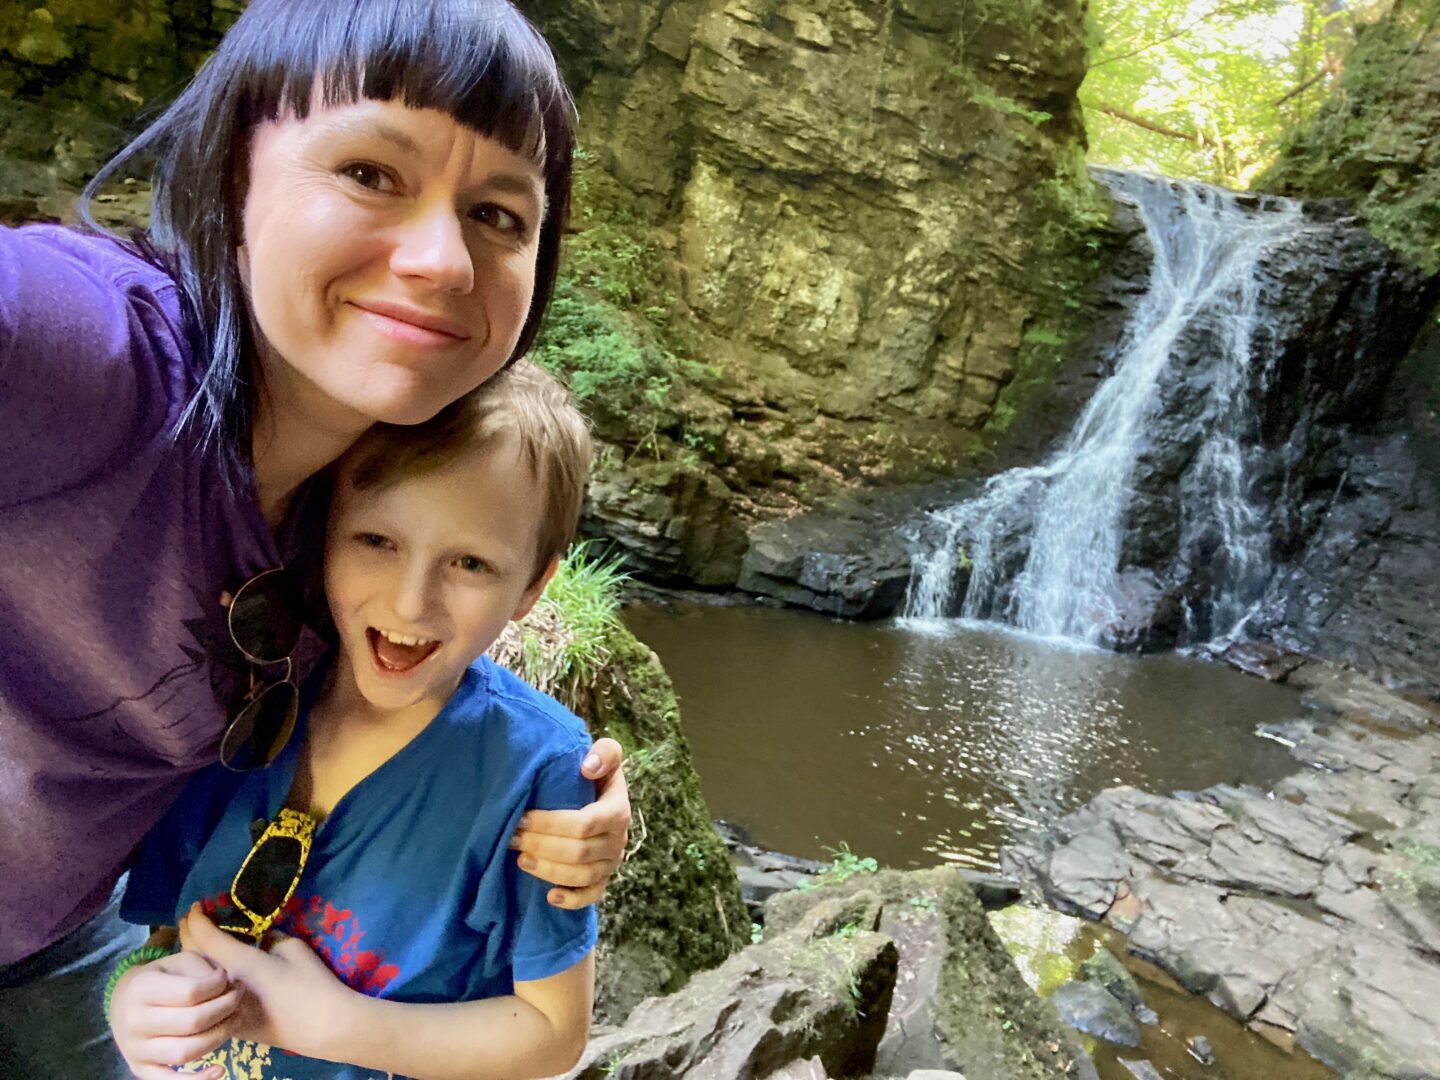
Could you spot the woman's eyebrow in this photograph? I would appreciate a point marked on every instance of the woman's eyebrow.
(375, 128)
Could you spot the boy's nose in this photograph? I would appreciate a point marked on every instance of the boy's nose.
(413, 596)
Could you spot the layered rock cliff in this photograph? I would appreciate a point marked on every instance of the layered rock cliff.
(867, 225)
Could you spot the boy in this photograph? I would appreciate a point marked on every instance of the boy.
(417, 761)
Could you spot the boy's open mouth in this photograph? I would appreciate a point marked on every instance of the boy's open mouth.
(398, 654)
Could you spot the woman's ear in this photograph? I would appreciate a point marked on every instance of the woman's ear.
(532, 594)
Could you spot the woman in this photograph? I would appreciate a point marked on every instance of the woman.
(358, 210)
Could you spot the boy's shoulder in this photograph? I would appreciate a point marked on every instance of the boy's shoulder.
(490, 688)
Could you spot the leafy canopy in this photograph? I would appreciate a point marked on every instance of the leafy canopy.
(1205, 88)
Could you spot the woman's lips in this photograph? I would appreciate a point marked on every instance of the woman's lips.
(412, 326)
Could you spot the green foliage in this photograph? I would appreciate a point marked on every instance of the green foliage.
(1204, 88)
(1373, 141)
(562, 645)
(844, 865)
(605, 332)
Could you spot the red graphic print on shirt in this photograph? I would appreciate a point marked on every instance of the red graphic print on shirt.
(335, 935)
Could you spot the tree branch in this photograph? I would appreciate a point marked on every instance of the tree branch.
(1199, 138)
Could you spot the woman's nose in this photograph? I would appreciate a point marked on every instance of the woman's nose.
(432, 247)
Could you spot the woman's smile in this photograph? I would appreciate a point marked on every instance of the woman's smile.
(379, 241)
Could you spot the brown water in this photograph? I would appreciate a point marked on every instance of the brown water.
(916, 746)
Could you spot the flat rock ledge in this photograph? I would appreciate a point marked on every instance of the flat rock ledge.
(1311, 911)
(894, 974)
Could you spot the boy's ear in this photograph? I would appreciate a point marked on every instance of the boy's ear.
(527, 601)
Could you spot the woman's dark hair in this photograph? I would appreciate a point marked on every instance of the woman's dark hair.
(480, 61)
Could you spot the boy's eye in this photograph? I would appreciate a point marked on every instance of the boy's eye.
(372, 540)
(471, 564)
(497, 217)
(369, 176)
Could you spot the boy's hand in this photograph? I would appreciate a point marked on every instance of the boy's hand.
(291, 999)
(172, 1011)
(578, 850)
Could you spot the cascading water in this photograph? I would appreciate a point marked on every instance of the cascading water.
(1045, 546)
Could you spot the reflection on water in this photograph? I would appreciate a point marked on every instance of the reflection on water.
(916, 744)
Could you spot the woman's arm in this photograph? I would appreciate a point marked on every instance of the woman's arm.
(578, 850)
(90, 357)
(295, 1002)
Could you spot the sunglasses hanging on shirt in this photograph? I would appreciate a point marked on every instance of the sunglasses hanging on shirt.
(265, 624)
(268, 877)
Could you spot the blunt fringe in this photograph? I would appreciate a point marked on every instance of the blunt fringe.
(524, 406)
(481, 61)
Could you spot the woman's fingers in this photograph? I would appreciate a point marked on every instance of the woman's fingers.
(569, 875)
(605, 758)
(572, 899)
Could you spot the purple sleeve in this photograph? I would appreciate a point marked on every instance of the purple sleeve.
(90, 356)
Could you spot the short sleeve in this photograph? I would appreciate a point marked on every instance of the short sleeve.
(170, 849)
(550, 939)
(87, 353)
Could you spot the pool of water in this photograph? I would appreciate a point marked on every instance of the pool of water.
(926, 743)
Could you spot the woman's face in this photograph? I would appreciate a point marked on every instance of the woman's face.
(389, 258)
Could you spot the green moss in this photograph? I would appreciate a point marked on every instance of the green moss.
(1373, 141)
(674, 907)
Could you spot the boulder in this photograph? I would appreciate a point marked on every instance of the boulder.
(812, 992)
(959, 1004)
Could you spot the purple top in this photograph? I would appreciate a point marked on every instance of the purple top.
(116, 542)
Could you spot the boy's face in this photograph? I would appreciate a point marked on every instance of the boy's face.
(423, 575)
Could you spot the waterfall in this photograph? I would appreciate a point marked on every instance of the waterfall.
(1045, 545)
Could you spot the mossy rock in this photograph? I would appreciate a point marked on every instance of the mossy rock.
(674, 908)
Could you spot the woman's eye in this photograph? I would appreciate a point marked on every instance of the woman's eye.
(372, 540)
(497, 217)
(371, 177)
(471, 564)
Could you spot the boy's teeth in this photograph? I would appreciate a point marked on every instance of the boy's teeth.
(402, 639)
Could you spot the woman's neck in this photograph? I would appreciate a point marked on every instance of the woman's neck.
(297, 432)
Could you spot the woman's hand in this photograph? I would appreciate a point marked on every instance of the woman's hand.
(578, 850)
(172, 1011)
(291, 999)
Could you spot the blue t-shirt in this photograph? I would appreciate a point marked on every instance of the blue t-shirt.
(411, 891)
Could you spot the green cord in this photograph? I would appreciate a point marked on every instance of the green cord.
(143, 955)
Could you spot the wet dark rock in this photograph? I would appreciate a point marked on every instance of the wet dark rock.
(1091, 1009)
(839, 565)
(1105, 970)
(1262, 659)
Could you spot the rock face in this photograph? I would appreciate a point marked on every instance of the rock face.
(72, 76)
(1314, 910)
(870, 220)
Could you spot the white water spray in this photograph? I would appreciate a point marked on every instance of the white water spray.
(1207, 247)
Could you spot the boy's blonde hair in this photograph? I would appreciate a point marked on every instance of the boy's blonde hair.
(523, 402)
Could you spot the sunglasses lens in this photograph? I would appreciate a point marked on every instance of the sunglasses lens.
(265, 616)
(261, 730)
(268, 875)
